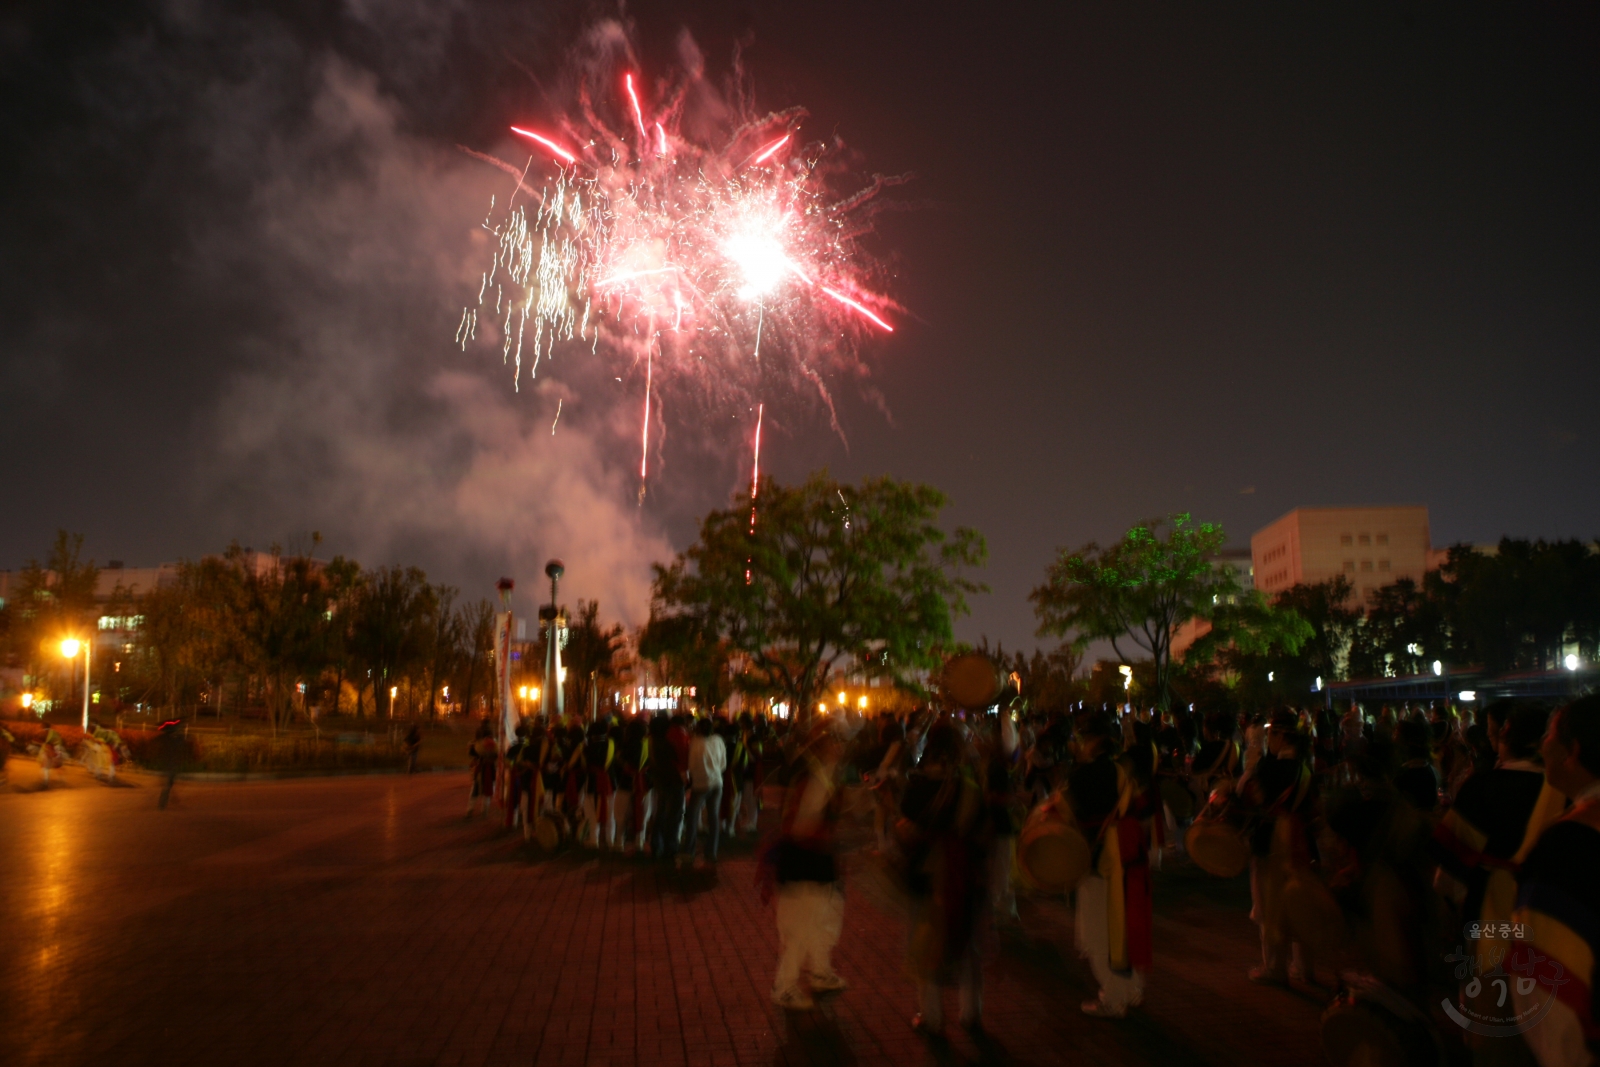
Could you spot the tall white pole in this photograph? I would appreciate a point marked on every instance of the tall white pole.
(88, 648)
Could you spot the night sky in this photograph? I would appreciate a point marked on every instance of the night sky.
(1229, 259)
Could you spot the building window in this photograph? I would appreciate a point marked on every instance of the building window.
(1366, 565)
(1383, 564)
(1366, 539)
(1344, 539)
(1383, 539)
(1350, 566)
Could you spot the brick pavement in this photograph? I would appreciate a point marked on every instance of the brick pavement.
(364, 921)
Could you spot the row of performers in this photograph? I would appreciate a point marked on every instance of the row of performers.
(1462, 931)
(597, 784)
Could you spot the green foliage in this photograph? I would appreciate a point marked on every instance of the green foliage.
(1517, 608)
(53, 601)
(826, 572)
(590, 655)
(1138, 590)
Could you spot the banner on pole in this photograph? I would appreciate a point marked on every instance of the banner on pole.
(502, 668)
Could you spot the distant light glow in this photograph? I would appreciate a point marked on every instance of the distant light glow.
(1571, 662)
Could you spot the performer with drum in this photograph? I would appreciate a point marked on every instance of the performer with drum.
(1558, 899)
(482, 754)
(1281, 789)
(1493, 825)
(1113, 912)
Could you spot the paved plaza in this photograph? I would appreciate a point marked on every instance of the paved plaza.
(363, 920)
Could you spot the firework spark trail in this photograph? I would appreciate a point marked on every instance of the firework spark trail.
(700, 249)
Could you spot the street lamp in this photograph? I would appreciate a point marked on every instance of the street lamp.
(1571, 662)
(69, 649)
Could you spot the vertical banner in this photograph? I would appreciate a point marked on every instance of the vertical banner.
(502, 668)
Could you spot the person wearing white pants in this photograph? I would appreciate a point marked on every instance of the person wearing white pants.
(1119, 990)
(810, 899)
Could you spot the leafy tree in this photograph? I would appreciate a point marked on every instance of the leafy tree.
(1403, 631)
(447, 639)
(476, 666)
(391, 632)
(53, 601)
(826, 572)
(1519, 607)
(346, 584)
(1138, 590)
(590, 654)
(691, 653)
(1045, 681)
(1325, 652)
(281, 620)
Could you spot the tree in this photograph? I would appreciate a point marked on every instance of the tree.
(589, 655)
(282, 620)
(391, 632)
(476, 665)
(825, 572)
(1046, 681)
(52, 602)
(447, 639)
(1325, 652)
(1402, 632)
(346, 583)
(1140, 589)
(691, 653)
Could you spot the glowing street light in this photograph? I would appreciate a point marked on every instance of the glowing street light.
(843, 697)
(69, 649)
(1571, 662)
(27, 701)
(862, 703)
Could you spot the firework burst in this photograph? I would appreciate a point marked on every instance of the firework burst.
(724, 263)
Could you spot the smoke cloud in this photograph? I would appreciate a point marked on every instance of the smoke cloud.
(311, 233)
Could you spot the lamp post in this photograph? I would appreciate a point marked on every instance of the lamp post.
(553, 702)
(69, 649)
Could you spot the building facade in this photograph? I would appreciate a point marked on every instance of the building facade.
(1370, 546)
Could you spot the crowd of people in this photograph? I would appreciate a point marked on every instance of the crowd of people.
(1400, 859)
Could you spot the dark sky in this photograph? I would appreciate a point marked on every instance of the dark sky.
(1223, 258)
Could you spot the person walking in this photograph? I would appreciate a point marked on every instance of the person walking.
(948, 878)
(413, 746)
(633, 801)
(810, 897)
(481, 755)
(669, 766)
(52, 754)
(708, 759)
(169, 747)
(7, 739)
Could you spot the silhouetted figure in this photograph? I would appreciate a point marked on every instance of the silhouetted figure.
(413, 745)
(168, 746)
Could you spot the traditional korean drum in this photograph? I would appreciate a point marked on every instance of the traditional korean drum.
(1217, 843)
(550, 830)
(1052, 853)
(1177, 798)
(1314, 916)
(1377, 1028)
